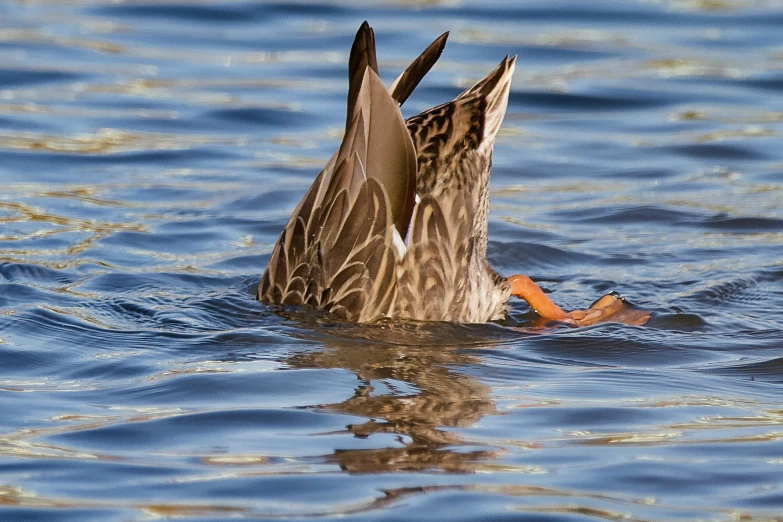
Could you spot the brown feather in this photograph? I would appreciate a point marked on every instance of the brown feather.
(362, 56)
(406, 82)
(390, 157)
(336, 251)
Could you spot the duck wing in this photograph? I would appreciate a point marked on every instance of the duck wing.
(337, 250)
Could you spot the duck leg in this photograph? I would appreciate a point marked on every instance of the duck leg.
(524, 288)
(608, 306)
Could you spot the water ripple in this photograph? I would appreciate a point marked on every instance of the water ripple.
(151, 153)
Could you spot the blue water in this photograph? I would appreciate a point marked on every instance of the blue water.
(151, 153)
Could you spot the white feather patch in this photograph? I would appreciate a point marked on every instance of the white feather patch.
(398, 243)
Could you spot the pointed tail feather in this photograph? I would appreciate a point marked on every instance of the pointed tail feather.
(406, 82)
(494, 88)
(362, 56)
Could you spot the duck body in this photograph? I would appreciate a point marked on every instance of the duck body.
(395, 225)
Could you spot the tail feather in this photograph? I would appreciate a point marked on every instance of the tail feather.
(406, 82)
(390, 157)
(362, 56)
(494, 88)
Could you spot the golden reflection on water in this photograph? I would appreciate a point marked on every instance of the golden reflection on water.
(90, 231)
(26, 223)
(109, 141)
(18, 497)
(555, 501)
(216, 57)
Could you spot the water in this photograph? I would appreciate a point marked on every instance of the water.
(150, 154)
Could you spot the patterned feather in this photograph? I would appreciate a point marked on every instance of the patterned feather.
(358, 245)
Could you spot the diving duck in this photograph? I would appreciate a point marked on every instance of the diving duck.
(395, 225)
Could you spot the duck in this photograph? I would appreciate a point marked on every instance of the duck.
(395, 225)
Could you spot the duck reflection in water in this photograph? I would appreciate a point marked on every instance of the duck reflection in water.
(425, 395)
(395, 225)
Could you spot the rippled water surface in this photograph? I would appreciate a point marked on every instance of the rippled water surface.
(151, 153)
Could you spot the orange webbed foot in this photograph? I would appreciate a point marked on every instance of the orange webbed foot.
(610, 307)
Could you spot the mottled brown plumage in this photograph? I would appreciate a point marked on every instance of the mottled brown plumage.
(395, 226)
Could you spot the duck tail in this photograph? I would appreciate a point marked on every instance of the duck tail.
(494, 89)
(406, 82)
(362, 56)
